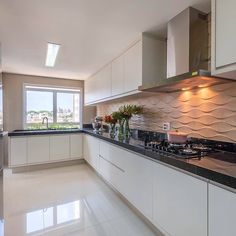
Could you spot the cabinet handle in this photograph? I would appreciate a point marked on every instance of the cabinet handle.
(112, 164)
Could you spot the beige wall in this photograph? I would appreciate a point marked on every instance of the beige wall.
(204, 113)
(13, 95)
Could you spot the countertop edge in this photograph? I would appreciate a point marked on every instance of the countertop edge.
(210, 175)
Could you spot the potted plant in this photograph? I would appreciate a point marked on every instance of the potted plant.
(117, 115)
(111, 121)
(127, 111)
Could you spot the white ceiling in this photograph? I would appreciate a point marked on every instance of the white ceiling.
(91, 32)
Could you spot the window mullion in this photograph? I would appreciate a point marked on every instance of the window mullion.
(54, 107)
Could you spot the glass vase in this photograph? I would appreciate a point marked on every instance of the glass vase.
(121, 130)
(126, 128)
(112, 130)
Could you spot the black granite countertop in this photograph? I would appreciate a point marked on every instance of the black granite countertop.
(218, 171)
(43, 132)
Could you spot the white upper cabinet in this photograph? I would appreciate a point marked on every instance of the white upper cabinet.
(224, 38)
(117, 76)
(133, 68)
(222, 212)
(180, 203)
(142, 63)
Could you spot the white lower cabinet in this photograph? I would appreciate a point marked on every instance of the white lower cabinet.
(59, 147)
(130, 174)
(38, 149)
(17, 151)
(76, 146)
(222, 212)
(179, 203)
(91, 151)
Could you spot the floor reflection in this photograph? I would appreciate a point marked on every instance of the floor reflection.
(67, 201)
(52, 217)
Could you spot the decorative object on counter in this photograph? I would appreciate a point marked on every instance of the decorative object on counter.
(97, 124)
(127, 112)
(118, 116)
(177, 137)
(112, 124)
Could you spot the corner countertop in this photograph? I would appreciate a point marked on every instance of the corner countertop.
(43, 132)
(216, 171)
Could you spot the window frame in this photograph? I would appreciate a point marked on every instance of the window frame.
(54, 89)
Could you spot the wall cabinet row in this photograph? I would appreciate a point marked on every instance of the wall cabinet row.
(29, 150)
(143, 63)
(223, 38)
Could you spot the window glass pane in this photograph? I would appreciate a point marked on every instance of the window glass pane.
(39, 105)
(68, 107)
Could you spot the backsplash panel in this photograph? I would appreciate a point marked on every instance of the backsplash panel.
(202, 113)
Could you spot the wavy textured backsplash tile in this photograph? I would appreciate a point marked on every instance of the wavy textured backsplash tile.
(203, 113)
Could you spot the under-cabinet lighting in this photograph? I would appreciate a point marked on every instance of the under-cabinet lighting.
(185, 89)
(52, 52)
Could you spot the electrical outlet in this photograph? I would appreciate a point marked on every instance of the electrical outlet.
(166, 126)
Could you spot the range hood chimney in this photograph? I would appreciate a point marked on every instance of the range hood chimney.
(188, 54)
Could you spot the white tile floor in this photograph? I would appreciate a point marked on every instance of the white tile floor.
(66, 201)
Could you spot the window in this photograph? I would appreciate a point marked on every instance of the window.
(60, 106)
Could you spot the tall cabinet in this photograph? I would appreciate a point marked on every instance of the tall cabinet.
(223, 46)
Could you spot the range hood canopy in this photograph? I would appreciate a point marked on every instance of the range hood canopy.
(187, 81)
(188, 44)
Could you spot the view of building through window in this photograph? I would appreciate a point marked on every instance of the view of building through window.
(60, 106)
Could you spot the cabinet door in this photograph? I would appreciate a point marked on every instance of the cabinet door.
(180, 203)
(222, 212)
(59, 147)
(76, 146)
(38, 149)
(133, 67)
(89, 90)
(91, 151)
(104, 83)
(125, 171)
(225, 33)
(117, 76)
(18, 151)
(110, 166)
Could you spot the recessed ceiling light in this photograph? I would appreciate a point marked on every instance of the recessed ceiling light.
(52, 52)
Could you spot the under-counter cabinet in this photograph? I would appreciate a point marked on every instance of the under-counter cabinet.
(59, 147)
(222, 210)
(130, 174)
(223, 38)
(91, 151)
(17, 151)
(76, 146)
(179, 203)
(38, 149)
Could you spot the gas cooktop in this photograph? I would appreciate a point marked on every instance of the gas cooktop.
(186, 151)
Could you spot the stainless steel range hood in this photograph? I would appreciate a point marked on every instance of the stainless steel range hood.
(188, 54)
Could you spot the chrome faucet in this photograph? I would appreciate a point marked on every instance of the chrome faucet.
(43, 122)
